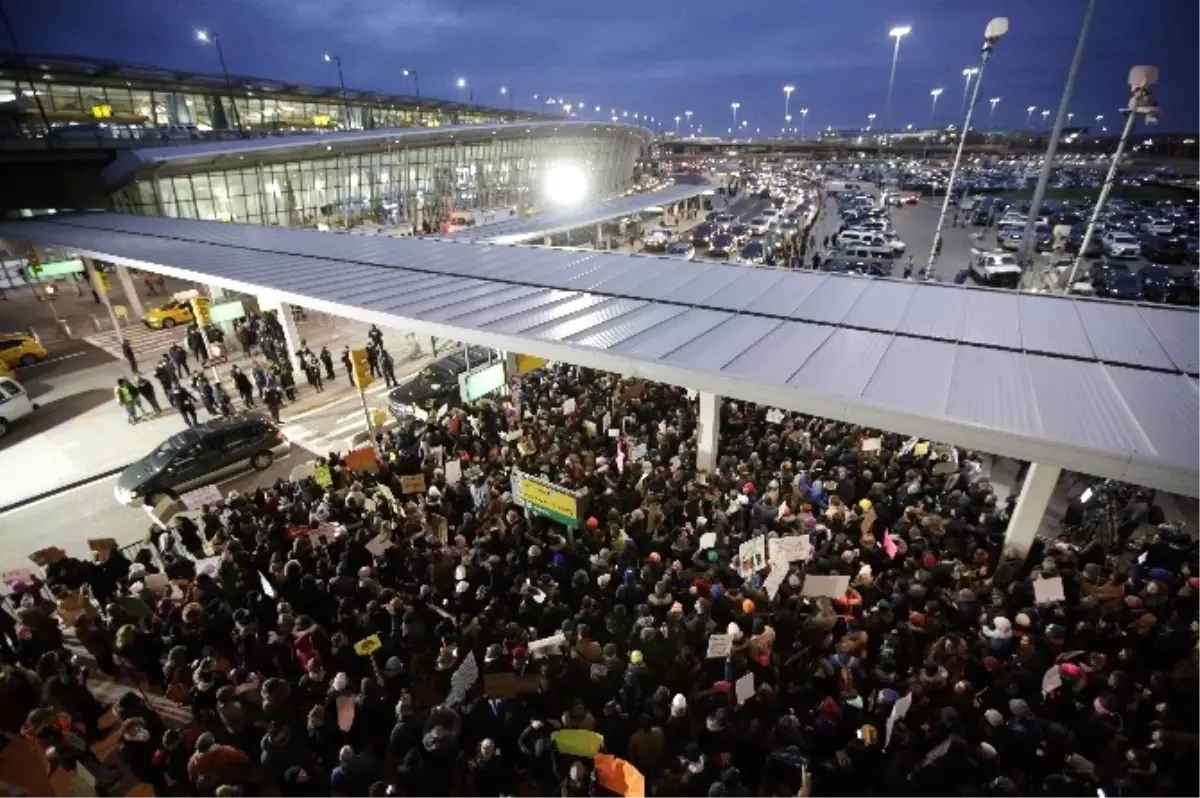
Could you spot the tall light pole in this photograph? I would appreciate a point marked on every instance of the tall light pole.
(462, 84)
(992, 113)
(1045, 114)
(1069, 118)
(1099, 119)
(991, 34)
(214, 39)
(678, 119)
(787, 121)
(341, 80)
(511, 102)
(870, 121)
(897, 33)
(968, 73)
(1141, 101)
(1025, 249)
(934, 93)
(787, 99)
(688, 114)
(1029, 115)
(412, 73)
(735, 106)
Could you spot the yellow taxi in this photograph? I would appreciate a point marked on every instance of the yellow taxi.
(20, 349)
(168, 314)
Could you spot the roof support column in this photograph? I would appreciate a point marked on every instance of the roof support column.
(131, 294)
(283, 311)
(1031, 507)
(708, 430)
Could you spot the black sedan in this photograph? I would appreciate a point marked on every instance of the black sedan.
(1164, 249)
(722, 244)
(435, 385)
(1161, 283)
(1117, 284)
(702, 234)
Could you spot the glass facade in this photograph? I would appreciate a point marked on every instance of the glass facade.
(70, 99)
(419, 186)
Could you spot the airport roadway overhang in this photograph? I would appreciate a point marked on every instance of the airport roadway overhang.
(1102, 388)
(532, 228)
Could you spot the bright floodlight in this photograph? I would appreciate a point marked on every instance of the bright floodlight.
(327, 58)
(202, 35)
(936, 92)
(971, 71)
(789, 89)
(462, 83)
(504, 90)
(1141, 77)
(996, 28)
(566, 184)
(1031, 109)
(900, 30)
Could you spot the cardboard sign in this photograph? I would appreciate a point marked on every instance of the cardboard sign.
(368, 646)
(1047, 591)
(774, 580)
(834, 586)
(869, 445)
(719, 646)
(510, 685)
(195, 499)
(345, 712)
(47, 556)
(921, 449)
(793, 548)
(379, 544)
(362, 460)
(412, 483)
(157, 583)
(743, 688)
(453, 472)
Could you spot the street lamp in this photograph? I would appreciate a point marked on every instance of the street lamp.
(934, 93)
(511, 97)
(968, 73)
(898, 33)
(735, 106)
(1099, 118)
(213, 38)
(992, 113)
(787, 120)
(991, 34)
(677, 120)
(803, 119)
(1141, 101)
(870, 121)
(1045, 114)
(787, 98)
(1070, 116)
(462, 84)
(1029, 115)
(688, 114)
(342, 80)
(416, 79)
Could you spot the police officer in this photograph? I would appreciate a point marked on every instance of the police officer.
(185, 403)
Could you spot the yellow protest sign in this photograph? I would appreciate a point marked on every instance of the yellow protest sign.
(578, 742)
(921, 449)
(322, 477)
(368, 646)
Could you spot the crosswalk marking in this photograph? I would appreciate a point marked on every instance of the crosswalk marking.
(148, 345)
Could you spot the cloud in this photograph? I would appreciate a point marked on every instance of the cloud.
(407, 24)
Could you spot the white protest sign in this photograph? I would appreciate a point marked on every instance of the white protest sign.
(1051, 680)
(453, 471)
(774, 415)
(774, 580)
(208, 566)
(752, 555)
(899, 710)
(1046, 591)
(869, 445)
(909, 445)
(157, 582)
(268, 589)
(195, 499)
(793, 548)
(719, 646)
(614, 433)
(1142, 557)
(639, 452)
(744, 688)
(568, 407)
(708, 541)
(833, 586)
(379, 544)
(547, 643)
(463, 680)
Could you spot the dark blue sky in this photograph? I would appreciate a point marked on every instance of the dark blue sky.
(662, 58)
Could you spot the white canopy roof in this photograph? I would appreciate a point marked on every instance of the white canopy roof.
(1098, 387)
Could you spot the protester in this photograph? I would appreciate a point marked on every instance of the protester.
(934, 670)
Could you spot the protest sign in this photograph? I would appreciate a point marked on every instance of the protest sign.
(568, 407)
(208, 565)
(362, 460)
(379, 544)
(833, 586)
(639, 452)
(899, 710)
(1046, 591)
(869, 445)
(368, 646)
(412, 483)
(463, 680)
(268, 588)
(453, 471)
(548, 645)
(774, 580)
(743, 688)
(1051, 680)
(752, 556)
(708, 540)
(793, 548)
(322, 476)
(195, 499)
(719, 646)
(889, 545)
(47, 556)
(577, 742)
(774, 415)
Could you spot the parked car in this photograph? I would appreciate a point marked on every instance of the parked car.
(200, 456)
(1116, 284)
(1118, 244)
(1176, 286)
(14, 404)
(435, 385)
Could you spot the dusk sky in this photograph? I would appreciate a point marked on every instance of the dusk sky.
(662, 58)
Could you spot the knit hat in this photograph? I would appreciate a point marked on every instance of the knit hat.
(916, 619)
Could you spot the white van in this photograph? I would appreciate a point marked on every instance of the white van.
(14, 404)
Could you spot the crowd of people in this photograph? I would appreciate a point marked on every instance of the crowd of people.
(407, 627)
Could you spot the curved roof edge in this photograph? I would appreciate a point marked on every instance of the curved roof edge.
(129, 162)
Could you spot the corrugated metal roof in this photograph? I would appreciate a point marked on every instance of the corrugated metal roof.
(1046, 379)
(518, 230)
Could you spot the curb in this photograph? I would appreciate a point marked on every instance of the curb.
(79, 483)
